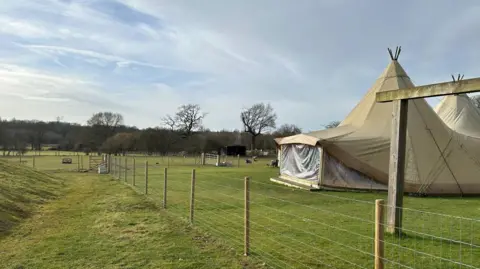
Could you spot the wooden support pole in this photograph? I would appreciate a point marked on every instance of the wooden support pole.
(133, 172)
(126, 169)
(165, 176)
(192, 197)
(238, 160)
(33, 161)
(146, 177)
(89, 160)
(379, 234)
(396, 177)
(247, 218)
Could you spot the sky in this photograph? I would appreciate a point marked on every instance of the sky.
(312, 60)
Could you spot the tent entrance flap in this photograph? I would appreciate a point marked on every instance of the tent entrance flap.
(300, 161)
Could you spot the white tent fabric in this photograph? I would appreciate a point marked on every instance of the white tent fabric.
(438, 160)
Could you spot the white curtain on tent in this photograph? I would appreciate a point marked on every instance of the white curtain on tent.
(300, 161)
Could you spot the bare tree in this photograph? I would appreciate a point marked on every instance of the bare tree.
(104, 125)
(287, 130)
(257, 119)
(187, 119)
(169, 122)
(332, 124)
(107, 119)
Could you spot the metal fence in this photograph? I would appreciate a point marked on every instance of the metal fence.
(280, 227)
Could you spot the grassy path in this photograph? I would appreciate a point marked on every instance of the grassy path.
(100, 223)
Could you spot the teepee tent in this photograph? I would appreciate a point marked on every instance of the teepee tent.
(460, 114)
(355, 155)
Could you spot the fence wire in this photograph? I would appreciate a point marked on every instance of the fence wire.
(298, 229)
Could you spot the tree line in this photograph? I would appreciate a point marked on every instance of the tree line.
(182, 131)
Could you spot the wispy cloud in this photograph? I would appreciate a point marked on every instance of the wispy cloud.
(312, 60)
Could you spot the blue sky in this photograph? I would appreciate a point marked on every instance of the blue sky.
(311, 59)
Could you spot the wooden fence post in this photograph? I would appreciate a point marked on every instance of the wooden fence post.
(238, 160)
(379, 234)
(247, 217)
(33, 161)
(117, 162)
(126, 169)
(109, 164)
(89, 160)
(133, 172)
(146, 177)
(165, 187)
(192, 197)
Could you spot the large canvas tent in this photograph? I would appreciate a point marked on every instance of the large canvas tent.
(356, 154)
(460, 114)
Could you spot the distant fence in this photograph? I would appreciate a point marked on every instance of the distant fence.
(53, 160)
(279, 227)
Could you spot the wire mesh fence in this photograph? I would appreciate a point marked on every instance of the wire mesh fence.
(289, 228)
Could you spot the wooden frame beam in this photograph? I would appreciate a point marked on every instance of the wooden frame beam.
(432, 90)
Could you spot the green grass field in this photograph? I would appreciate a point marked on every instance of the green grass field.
(292, 228)
(94, 222)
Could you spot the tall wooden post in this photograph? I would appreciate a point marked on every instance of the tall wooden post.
(133, 172)
(247, 217)
(33, 161)
(379, 234)
(396, 173)
(126, 169)
(192, 197)
(165, 176)
(146, 177)
(238, 160)
(109, 163)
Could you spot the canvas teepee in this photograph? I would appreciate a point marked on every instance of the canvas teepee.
(460, 114)
(436, 161)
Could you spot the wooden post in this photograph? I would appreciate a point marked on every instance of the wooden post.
(247, 217)
(126, 169)
(379, 235)
(165, 187)
(218, 159)
(396, 173)
(192, 197)
(133, 172)
(118, 168)
(109, 163)
(146, 177)
(81, 161)
(33, 161)
(89, 160)
(238, 160)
